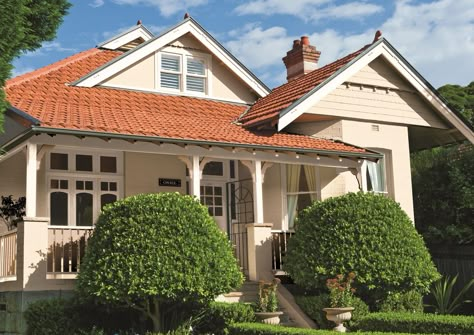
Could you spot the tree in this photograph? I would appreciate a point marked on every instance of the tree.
(443, 192)
(150, 251)
(364, 233)
(25, 24)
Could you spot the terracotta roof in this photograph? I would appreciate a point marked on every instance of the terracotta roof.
(45, 95)
(268, 108)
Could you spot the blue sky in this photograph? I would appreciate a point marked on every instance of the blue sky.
(435, 36)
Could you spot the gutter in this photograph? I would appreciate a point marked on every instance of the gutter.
(36, 130)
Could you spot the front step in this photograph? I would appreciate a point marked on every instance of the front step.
(247, 293)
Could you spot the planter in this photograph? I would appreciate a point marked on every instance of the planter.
(339, 316)
(270, 318)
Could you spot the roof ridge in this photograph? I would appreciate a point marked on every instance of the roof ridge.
(50, 68)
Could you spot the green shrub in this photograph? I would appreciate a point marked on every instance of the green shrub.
(313, 307)
(417, 323)
(263, 329)
(49, 317)
(219, 315)
(151, 250)
(363, 233)
(411, 301)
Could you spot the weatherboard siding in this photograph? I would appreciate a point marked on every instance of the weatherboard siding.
(379, 105)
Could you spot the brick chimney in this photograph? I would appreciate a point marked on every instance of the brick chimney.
(301, 59)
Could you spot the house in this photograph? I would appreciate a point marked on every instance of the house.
(177, 112)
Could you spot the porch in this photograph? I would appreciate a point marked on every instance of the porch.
(252, 193)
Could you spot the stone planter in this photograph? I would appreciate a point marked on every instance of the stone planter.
(270, 318)
(339, 316)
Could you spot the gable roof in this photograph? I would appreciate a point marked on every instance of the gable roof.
(268, 108)
(138, 31)
(188, 25)
(45, 95)
(292, 99)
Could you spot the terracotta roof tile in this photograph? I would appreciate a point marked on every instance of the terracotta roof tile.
(268, 108)
(45, 95)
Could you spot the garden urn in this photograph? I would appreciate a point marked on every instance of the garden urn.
(339, 315)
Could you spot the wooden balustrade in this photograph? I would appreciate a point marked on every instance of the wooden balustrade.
(8, 248)
(279, 247)
(66, 248)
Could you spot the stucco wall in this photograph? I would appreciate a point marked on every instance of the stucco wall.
(142, 171)
(272, 197)
(140, 75)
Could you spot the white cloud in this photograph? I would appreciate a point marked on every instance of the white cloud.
(97, 3)
(20, 69)
(309, 10)
(48, 47)
(437, 38)
(166, 7)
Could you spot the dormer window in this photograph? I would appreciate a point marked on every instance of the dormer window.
(183, 73)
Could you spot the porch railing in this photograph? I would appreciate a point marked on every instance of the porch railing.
(66, 249)
(8, 247)
(279, 247)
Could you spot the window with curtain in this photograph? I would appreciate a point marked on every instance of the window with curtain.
(301, 191)
(375, 174)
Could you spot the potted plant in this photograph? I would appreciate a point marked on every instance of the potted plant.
(340, 296)
(267, 304)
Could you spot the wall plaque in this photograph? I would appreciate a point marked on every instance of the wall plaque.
(169, 182)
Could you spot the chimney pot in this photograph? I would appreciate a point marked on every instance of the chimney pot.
(305, 40)
(301, 59)
(296, 43)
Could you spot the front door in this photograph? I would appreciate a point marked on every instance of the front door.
(213, 197)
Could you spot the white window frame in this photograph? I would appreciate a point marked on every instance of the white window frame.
(71, 175)
(184, 55)
(285, 193)
(387, 173)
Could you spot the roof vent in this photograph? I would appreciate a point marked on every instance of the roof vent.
(301, 59)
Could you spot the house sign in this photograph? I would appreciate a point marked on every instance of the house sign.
(169, 182)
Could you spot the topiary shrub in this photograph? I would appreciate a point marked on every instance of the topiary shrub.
(363, 233)
(49, 317)
(151, 251)
(411, 301)
(313, 306)
(219, 315)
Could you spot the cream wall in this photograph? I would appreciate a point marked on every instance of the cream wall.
(225, 85)
(326, 129)
(332, 183)
(272, 197)
(142, 171)
(13, 176)
(395, 139)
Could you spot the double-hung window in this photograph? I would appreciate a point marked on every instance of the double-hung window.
(183, 73)
(80, 184)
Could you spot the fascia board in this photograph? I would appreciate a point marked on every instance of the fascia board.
(126, 37)
(188, 26)
(311, 98)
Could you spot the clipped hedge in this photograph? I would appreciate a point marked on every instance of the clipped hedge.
(417, 323)
(219, 315)
(410, 301)
(313, 307)
(49, 317)
(263, 329)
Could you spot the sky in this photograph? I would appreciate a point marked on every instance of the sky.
(435, 36)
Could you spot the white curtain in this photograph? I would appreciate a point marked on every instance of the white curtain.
(310, 172)
(293, 181)
(376, 175)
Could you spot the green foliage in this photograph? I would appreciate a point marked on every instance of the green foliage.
(12, 211)
(219, 315)
(49, 317)
(367, 234)
(460, 98)
(25, 25)
(313, 307)
(151, 250)
(417, 323)
(443, 195)
(267, 296)
(445, 300)
(411, 301)
(263, 329)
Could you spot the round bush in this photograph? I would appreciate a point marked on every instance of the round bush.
(363, 233)
(151, 250)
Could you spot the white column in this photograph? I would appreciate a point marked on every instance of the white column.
(31, 161)
(363, 176)
(196, 178)
(257, 191)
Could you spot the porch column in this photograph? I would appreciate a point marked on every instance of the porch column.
(258, 191)
(363, 176)
(196, 178)
(259, 239)
(31, 162)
